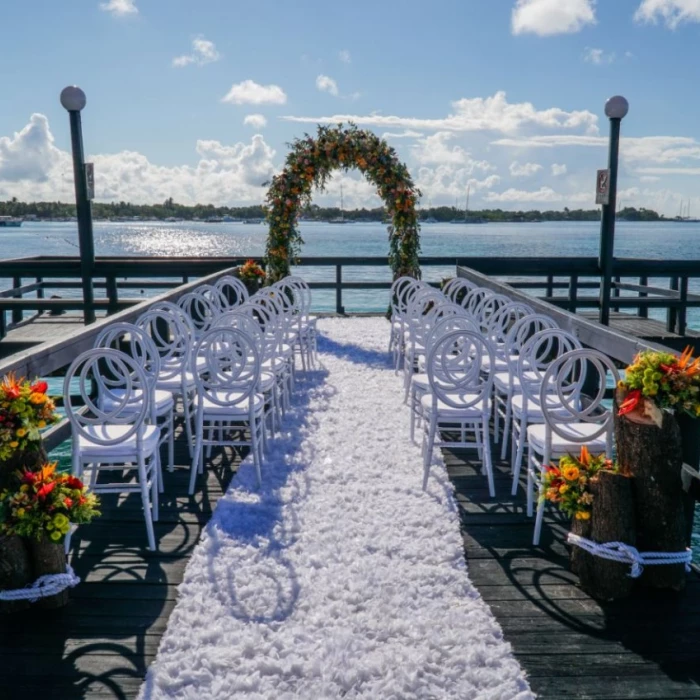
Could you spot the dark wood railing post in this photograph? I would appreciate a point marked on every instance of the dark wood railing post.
(573, 293)
(17, 313)
(550, 285)
(339, 289)
(643, 309)
(40, 289)
(112, 294)
(3, 324)
(616, 292)
(683, 311)
(672, 314)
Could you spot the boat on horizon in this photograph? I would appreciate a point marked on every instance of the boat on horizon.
(252, 221)
(467, 218)
(340, 219)
(10, 222)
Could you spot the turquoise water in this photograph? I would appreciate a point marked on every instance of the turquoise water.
(639, 240)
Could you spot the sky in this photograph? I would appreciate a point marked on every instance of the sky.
(198, 100)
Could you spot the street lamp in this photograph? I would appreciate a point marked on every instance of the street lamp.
(616, 109)
(73, 100)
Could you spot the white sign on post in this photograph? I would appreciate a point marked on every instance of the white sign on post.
(90, 178)
(602, 187)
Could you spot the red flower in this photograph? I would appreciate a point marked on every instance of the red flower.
(633, 400)
(39, 387)
(68, 502)
(45, 490)
(74, 483)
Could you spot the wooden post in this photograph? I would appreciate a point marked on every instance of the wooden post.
(339, 289)
(616, 292)
(17, 313)
(112, 294)
(643, 310)
(15, 571)
(683, 311)
(49, 558)
(612, 520)
(573, 293)
(653, 456)
(672, 313)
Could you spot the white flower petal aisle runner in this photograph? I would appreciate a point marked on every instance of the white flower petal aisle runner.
(340, 577)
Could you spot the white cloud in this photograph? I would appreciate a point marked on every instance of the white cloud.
(558, 170)
(473, 114)
(543, 195)
(671, 12)
(598, 57)
(119, 8)
(250, 92)
(32, 168)
(203, 52)
(649, 178)
(549, 17)
(257, 121)
(434, 149)
(405, 134)
(344, 56)
(668, 171)
(524, 169)
(552, 141)
(448, 183)
(324, 83)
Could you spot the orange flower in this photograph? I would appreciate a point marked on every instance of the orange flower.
(11, 386)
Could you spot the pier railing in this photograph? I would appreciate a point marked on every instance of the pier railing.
(39, 284)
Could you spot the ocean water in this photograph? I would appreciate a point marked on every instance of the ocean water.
(641, 240)
(559, 239)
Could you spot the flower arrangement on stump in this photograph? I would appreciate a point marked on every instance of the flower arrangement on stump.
(568, 485)
(252, 275)
(25, 410)
(40, 507)
(310, 163)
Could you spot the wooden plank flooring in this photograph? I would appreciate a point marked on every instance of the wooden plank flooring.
(101, 644)
(647, 328)
(570, 645)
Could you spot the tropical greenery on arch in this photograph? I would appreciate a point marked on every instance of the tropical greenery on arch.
(310, 163)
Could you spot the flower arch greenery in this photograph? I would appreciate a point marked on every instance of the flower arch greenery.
(310, 163)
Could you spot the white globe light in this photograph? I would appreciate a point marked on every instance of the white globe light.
(73, 98)
(617, 107)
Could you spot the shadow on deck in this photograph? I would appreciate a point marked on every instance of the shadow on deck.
(571, 645)
(102, 643)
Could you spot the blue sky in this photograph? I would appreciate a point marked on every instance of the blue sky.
(503, 96)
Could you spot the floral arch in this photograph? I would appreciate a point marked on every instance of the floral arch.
(310, 163)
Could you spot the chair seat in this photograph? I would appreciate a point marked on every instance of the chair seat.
(233, 404)
(127, 447)
(561, 446)
(163, 400)
(501, 381)
(267, 381)
(445, 410)
(421, 382)
(174, 382)
(534, 410)
(501, 363)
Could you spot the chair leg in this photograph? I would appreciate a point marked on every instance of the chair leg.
(199, 430)
(171, 441)
(540, 514)
(188, 419)
(506, 425)
(255, 447)
(146, 501)
(488, 465)
(157, 484)
(530, 484)
(429, 449)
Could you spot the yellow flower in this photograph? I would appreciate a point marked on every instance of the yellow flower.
(38, 399)
(563, 488)
(41, 424)
(55, 535)
(570, 473)
(583, 515)
(21, 432)
(14, 443)
(19, 512)
(24, 488)
(60, 521)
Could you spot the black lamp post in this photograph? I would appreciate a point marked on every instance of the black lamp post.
(73, 99)
(616, 109)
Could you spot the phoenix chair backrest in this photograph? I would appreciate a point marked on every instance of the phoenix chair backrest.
(488, 308)
(228, 366)
(537, 355)
(128, 408)
(457, 288)
(201, 309)
(500, 323)
(402, 290)
(448, 324)
(564, 378)
(175, 310)
(455, 370)
(246, 323)
(521, 331)
(233, 291)
(141, 348)
(172, 339)
(302, 292)
(474, 298)
(214, 294)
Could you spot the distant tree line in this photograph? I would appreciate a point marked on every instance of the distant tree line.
(170, 208)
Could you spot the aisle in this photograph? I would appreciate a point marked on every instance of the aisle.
(341, 577)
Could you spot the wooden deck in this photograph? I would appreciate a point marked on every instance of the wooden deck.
(647, 328)
(570, 645)
(101, 644)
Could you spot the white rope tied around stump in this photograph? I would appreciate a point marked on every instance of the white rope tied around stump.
(43, 587)
(627, 554)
